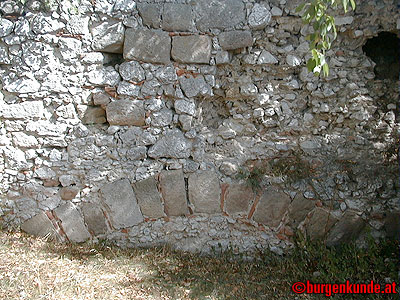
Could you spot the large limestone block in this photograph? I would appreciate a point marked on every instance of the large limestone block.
(149, 198)
(24, 110)
(320, 223)
(177, 17)
(172, 145)
(108, 37)
(39, 225)
(191, 49)
(72, 222)
(271, 207)
(173, 191)
(232, 40)
(122, 204)
(237, 198)
(125, 112)
(146, 45)
(299, 209)
(346, 229)
(94, 218)
(219, 14)
(150, 13)
(205, 192)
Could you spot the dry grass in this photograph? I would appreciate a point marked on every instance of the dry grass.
(35, 269)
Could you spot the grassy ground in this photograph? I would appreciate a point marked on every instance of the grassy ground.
(34, 269)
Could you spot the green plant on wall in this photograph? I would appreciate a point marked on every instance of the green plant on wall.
(315, 13)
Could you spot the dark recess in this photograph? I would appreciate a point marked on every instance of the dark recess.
(384, 51)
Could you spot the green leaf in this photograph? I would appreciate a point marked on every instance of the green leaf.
(311, 65)
(300, 7)
(325, 68)
(345, 3)
(353, 4)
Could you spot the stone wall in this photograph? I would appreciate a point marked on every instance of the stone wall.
(194, 124)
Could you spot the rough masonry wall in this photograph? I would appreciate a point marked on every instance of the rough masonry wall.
(193, 123)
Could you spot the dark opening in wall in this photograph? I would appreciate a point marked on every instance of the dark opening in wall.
(384, 51)
(112, 59)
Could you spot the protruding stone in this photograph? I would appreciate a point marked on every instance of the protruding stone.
(191, 49)
(173, 191)
(266, 58)
(149, 198)
(91, 114)
(204, 192)
(147, 45)
(68, 193)
(122, 204)
(299, 209)
(238, 198)
(259, 17)
(72, 222)
(125, 112)
(108, 37)
(271, 207)
(232, 40)
(346, 229)
(177, 17)
(150, 13)
(172, 145)
(101, 99)
(320, 223)
(94, 218)
(40, 225)
(186, 107)
(220, 14)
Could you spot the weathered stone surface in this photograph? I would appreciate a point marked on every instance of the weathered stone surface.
(266, 58)
(108, 37)
(191, 49)
(23, 85)
(122, 204)
(238, 198)
(346, 229)
(232, 40)
(4, 56)
(128, 89)
(23, 140)
(162, 118)
(222, 57)
(166, 75)
(132, 71)
(125, 112)
(150, 13)
(101, 99)
(299, 209)
(24, 110)
(40, 225)
(177, 17)
(320, 223)
(194, 86)
(392, 224)
(42, 24)
(137, 153)
(68, 193)
(149, 198)
(173, 191)
(219, 14)
(91, 114)
(173, 145)
(72, 222)
(259, 17)
(94, 218)
(271, 207)
(6, 27)
(186, 107)
(104, 76)
(204, 192)
(147, 45)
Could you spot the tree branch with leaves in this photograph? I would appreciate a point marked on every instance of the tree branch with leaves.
(315, 13)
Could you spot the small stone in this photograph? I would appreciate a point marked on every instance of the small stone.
(147, 45)
(22, 85)
(72, 222)
(222, 57)
(259, 17)
(166, 75)
(68, 193)
(232, 40)
(125, 112)
(266, 58)
(339, 21)
(104, 76)
(137, 153)
(121, 204)
(128, 89)
(191, 49)
(293, 61)
(173, 190)
(91, 114)
(271, 207)
(228, 168)
(101, 99)
(172, 145)
(6, 27)
(162, 118)
(193, 86)
(183, 106)
(276, 11)
(204, 192)
(149, 198)
(186, 122)
(132, 71)
(23, 140)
